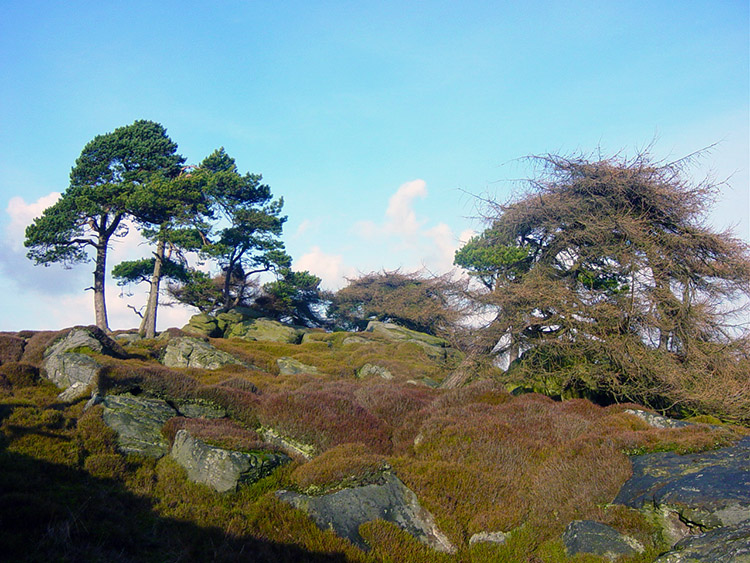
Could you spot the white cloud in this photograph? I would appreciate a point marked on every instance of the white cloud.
(410, 240)
(22, 214)
(329, 268)
(401, 217)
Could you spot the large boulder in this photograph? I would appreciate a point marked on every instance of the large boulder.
(436, 348)
(138, 422)
(221, 469)
(346, 510)
(587, 536)
(203, 324)
(73, 371)
(267, 330)
(85, 338)
(730, 544)
(370, 370)
(702, 491)
(189, 352)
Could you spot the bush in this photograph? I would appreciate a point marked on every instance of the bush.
(11, 348)
(105, 466)
(20, 374)
(347, 465)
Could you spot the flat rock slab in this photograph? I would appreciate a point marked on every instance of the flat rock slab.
(710, 489)
(223, 470)
(722, 545)
(189, 352)
(587, 536)
(657, 420)
(346, 510)
(290, 366)
(138, 422)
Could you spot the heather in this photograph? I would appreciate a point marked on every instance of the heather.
(478, 458)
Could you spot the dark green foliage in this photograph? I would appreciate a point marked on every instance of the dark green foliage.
(249, 243)
(295, 297)
(105, 184)
(136, 271)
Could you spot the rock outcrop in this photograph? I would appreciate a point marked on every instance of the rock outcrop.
(189, 352)
(587, 536)
(73, 371)
(223, 470)
(730, 544)
(346, 510)
(271, 331)
(693, 493)
(290, 366)
(138, 422)
(435, 348)
(369, 370)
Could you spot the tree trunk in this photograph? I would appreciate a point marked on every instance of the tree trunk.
(100, 306)
(148, 324)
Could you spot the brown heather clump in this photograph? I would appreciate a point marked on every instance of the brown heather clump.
(18, 374)
(11, 348)
(491, 462)
(128, 375)
(347, 465)
(36, 344)
(324, 416)
(219, 432)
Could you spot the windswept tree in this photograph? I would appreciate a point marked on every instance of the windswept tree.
(430, 304)
(242, 235)
(92, 210)
(604, 276)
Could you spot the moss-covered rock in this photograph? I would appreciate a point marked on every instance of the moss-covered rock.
(268, 330)
(203, 324)
(189, 352)
(138, 422)
(346, 510)
(220, 469)
(290, 366)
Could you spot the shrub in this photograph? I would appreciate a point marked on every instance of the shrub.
(20, 374)
(33, 353)
(220, 432)
(347, 465)
(11, 348)
(324, 417)
(105, 466)
(94, 435)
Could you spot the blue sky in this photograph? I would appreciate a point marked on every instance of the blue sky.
(374, 120)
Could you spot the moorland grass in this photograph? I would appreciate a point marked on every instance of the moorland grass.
(478, 458)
